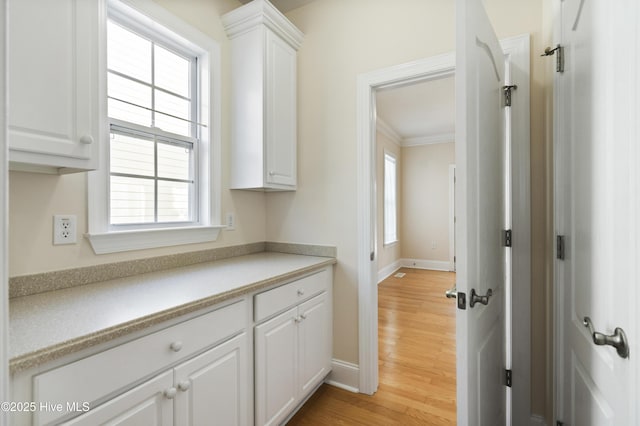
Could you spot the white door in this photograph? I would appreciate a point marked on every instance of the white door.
(480, 208)
(597, 194)
(314, 340)
(212, 388)
(150, 404)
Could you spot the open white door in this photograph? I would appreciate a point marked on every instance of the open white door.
(597, 196)
(480, 174)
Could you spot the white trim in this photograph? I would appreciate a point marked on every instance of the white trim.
(384, 128)
(538, 421)
(4, 229)
(432, 265)
(431, 68)
(388, 270)
(113, 242)
(429, 140)
(208, 52)
(344, 375)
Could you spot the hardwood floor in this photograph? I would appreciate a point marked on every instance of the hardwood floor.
(417, 366)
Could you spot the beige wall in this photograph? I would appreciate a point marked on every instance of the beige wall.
(387, 254)
(425, 201)
(344, 38)
(35, 198)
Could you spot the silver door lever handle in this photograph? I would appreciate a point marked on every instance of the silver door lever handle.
(475, 298)
(618, 339)
(452, 293)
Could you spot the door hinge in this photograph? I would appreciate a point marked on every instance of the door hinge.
(506, 90)
(506, 237)
(462, 301)
(559, 423)
(372, 256)
(559, 52)
(560, 247)
(508, 377)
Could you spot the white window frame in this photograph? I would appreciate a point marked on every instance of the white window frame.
(103, 238)
(394, 159)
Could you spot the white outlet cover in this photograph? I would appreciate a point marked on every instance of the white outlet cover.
(231, 221)
(64, 229)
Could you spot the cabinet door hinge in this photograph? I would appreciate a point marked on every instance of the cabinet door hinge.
(559, 52)
(508, 377)
(560, 247)
(506, 90)
(506, 237)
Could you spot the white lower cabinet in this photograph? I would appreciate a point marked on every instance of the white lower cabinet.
(292, 352)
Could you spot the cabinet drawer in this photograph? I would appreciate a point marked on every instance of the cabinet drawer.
(99, 375)
(280, 298)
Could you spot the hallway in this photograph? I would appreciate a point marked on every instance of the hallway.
(417, 368)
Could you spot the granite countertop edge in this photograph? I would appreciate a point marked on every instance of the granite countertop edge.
(49, 353)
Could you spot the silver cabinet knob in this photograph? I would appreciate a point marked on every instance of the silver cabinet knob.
(297, 320)
(86, 139)
(303, 316)
(300, 292)
(271, 173)
(176, 346)
(184, 385)
(170, 393)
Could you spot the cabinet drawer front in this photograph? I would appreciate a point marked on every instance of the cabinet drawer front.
(280, 298)
(105, 373)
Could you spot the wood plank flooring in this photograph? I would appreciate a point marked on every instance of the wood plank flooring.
(416, 329)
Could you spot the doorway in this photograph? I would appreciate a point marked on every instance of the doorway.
(517, 52)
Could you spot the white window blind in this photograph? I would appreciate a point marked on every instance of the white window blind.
(153, 143)
(390, 200)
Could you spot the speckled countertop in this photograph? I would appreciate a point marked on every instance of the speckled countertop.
(49, 325)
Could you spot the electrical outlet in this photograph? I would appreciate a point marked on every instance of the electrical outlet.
(64, 229)
(231, 221)
(434, 245)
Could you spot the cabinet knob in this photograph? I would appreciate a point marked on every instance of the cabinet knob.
(297, 319)
(176, 346)
(303, 316)
(170, 393)
(184, 385)
(86, 139)
(300, 292)
(271, 173)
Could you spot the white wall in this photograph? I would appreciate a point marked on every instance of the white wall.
(425, 201)
(4, 294)
(35, 198)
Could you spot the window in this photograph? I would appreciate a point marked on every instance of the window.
(390, 200)
(159, 177)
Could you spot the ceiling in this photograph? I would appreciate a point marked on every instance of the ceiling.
(284, 5)
(422, 112)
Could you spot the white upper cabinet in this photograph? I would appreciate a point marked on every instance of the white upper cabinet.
(263, 82)
(54, 60)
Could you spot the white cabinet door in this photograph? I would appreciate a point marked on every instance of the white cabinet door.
(148, 404)
(276, 360)
(213, 387)
(280, 111)
(314, 342)
(53, 61)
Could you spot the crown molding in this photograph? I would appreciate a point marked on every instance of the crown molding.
(384, 128)
(429, 140)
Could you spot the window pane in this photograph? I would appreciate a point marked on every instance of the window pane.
(128, 53)
(173, 201)
(129, 91)
(132, 200)
(172, 72)
(174, 161)
(390, 200)
(178, 107)
(131, 155)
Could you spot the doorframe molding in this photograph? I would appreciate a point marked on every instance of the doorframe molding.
(517, 49)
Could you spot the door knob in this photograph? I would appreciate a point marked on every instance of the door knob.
(475, 298)
(452, 293)
(618, 339)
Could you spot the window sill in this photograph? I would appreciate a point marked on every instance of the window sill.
(390, 243)
(113, 242)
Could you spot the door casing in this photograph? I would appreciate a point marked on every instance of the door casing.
(516, 50)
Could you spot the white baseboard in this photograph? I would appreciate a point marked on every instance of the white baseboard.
(537, 420)
(344, 375)
(435, 265)
(386, 272)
